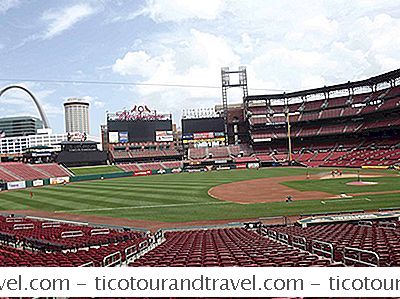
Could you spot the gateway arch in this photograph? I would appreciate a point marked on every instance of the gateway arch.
(38, 106)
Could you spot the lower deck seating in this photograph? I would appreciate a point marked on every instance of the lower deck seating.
(380, 239)
(150, 166)
(225, 247)
(56, 236)
(14, 171)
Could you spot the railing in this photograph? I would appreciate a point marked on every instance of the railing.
(143, 245)
(263, 231)
(364, 223)
(159, 235)
(322, 248)
(359, 256)
(21, 226)
(299, 242)
(272, 234)
(131, 252)
(15, 219)
(50, 224)
(252, 225)
(387, 225)
(284, 238)
(72, 234)
(99, 231)
(112, 260)
(284, 219)
(88, 264)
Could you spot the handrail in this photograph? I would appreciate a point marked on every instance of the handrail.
(15, 219)
(264, 231)
(387, 225)
(272, 234)
(99, 231)
(159, 235)
(322, 247)
(299, 242)
(358, 258)
(131, 251)
(72, 234)
(284, 238)
(143, 245)
(21, 226)
(364, 223)
(283, 218)
(252, 225)
(112, 259)
(88, 264)
(51, 224)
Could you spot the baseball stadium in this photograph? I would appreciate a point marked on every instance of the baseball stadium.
(306, 178)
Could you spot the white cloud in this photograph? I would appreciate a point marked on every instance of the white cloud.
(137, 63)
(94, 101)
(5, 5)
(196, 61)
(284, 44)
(61, 20)
(180, 10)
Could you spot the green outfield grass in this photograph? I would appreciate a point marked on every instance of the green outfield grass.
(95, 169)
(183, 197)
(338, 186)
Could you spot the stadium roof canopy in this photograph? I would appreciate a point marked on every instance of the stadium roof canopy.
(383, 78)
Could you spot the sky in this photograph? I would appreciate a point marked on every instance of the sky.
(286, 46)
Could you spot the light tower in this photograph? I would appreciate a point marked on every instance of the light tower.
(226, 83)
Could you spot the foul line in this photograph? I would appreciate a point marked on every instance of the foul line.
(143, 207)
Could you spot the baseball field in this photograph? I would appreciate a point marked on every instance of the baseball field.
(210, 196)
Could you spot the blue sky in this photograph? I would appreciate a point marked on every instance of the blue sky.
(286, 45)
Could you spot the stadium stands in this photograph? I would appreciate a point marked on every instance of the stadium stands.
(144, 151)
(221, 152)
(32, 242)
(150, 166)
(13, 171)
(335, 132)
(379, 237)
(225, 247)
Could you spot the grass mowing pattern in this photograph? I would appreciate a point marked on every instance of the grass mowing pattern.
(95, 170)
(133, 195)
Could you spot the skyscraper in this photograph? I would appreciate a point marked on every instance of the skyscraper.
(19, 126)
(76, 115)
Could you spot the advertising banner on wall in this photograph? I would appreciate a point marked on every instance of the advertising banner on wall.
(16, 185)
(241, 166)
(253, 165)
(203, 135)
(219, 134)
(59, 180)
(142, 173)
(176, 170)
(113, 137)
(37, 183)
(215, 140)
(123, 137)
(164, 136)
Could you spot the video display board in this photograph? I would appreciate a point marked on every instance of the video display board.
(137, 130)
(199, 125)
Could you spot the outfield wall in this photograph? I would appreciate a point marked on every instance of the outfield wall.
(90, 177)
